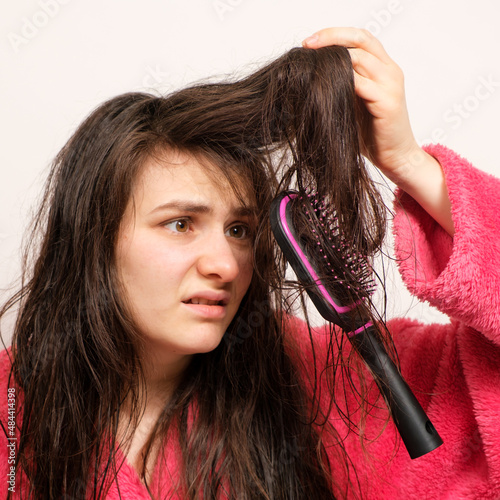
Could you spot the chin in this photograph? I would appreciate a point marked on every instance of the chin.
(203, 343)
(207, 346)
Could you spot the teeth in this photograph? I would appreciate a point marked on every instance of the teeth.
(204, 302)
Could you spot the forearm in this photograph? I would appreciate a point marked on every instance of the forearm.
(459, 277)
(423, 179)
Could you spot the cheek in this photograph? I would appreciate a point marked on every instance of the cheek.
(246, 274)
(149, 270)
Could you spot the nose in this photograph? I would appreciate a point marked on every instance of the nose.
(218, 259)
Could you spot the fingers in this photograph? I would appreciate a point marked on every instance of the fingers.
(364, 63)
(347, 37)
(369, 66)
(377, 77)
(365, 88)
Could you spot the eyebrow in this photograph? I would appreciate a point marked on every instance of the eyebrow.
(198, 208)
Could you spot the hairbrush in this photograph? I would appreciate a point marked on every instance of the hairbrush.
(335, 278)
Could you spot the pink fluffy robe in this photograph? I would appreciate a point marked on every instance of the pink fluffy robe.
(453, 369)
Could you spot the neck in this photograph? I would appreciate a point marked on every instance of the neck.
(163, 375)
(161, 378)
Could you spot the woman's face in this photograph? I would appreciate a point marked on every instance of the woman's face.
(184, 256)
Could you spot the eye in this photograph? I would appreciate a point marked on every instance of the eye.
(178, 225)
(238, 231)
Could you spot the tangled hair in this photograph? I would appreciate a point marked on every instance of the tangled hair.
(246, 425)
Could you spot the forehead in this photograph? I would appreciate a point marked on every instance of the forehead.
(182, 175)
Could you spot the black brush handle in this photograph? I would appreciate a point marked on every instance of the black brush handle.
(416, 430)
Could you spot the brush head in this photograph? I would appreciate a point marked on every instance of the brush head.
(339, 281)
(337, 278)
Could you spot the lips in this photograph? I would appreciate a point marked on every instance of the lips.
(207, 305)
(206, 302)
(208, 298)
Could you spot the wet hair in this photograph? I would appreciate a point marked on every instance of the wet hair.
(247, 423)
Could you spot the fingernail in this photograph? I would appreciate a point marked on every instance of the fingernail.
(310, 40)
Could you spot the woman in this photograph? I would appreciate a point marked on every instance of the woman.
(151, 358)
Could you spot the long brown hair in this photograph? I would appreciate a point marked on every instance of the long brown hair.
(256, 431)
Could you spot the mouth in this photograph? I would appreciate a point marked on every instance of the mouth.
(205, 302)
(207, 309)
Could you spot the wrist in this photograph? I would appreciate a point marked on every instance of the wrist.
(402, 165)
(413, 168)
(424, 181)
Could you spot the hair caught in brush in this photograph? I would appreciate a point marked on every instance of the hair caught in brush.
(315, 117)
(259, 432)
(315, 120)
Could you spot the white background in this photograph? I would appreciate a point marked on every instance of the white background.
(61, 58)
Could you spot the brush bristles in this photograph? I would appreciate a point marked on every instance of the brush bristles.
(343, 270)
